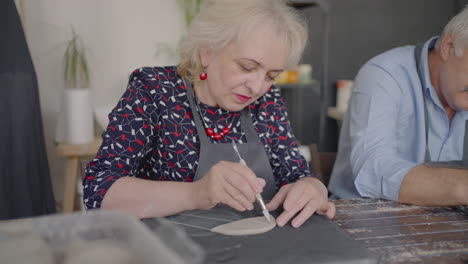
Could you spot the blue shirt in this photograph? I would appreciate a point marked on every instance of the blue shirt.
(383, 132)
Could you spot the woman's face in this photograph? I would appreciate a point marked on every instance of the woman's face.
(242, 72)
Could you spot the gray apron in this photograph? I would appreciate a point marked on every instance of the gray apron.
(253, 152)
(427, 159)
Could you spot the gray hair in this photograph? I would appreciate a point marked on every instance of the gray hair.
(458, 27)
(221, 22)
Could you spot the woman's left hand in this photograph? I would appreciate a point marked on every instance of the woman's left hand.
(306, 196)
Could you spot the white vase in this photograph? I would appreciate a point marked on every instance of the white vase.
(76, 123)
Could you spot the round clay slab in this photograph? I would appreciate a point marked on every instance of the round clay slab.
(247, 226)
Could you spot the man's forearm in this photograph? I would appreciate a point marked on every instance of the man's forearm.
(429, 185)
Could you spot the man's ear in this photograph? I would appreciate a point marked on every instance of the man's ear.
(446, 46)
(205, 56)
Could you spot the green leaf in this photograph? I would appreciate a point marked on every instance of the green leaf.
(76, 70)
(74, 58)
(190, 8)
(67, 64)
(84, 71)
(199, 2)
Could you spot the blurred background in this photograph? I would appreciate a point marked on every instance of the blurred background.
(119, 36)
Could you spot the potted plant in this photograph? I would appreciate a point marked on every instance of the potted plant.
(190, 8)
(75, 63)
(76, 123)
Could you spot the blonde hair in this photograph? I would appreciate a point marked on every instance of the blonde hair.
(458, 27)
(221, 22)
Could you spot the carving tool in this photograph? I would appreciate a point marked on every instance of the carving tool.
(257, 195)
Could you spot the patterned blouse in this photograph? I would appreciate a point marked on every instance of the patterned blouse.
(152, 135)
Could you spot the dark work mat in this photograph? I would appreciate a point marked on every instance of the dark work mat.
(319, 240)
(462, 208)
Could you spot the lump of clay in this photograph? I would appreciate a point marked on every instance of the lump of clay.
(30, 248)
(246, 226)
(98, 251)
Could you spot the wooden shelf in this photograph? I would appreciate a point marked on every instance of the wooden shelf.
(73, 153)
(89, 149)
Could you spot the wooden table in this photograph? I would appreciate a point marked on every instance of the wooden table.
(73, 153)
(318, 240)
(405, 233)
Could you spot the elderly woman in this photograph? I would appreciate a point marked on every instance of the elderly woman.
(168, 147)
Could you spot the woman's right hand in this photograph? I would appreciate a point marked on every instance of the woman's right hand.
(230, 183)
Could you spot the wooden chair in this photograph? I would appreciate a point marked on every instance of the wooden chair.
(321, 163)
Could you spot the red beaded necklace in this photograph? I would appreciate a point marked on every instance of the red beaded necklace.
(209, 131)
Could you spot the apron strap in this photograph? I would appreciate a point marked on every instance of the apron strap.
(198, 123)
(248, 127)
(246, 120)
(417, 57)
(252, 151)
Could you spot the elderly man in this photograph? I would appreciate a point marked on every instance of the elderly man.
(405, 135)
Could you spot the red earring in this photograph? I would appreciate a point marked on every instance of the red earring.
(203, 76)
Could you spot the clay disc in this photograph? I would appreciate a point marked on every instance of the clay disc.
(246, 226)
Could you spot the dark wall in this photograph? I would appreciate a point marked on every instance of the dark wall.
(361, 29)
